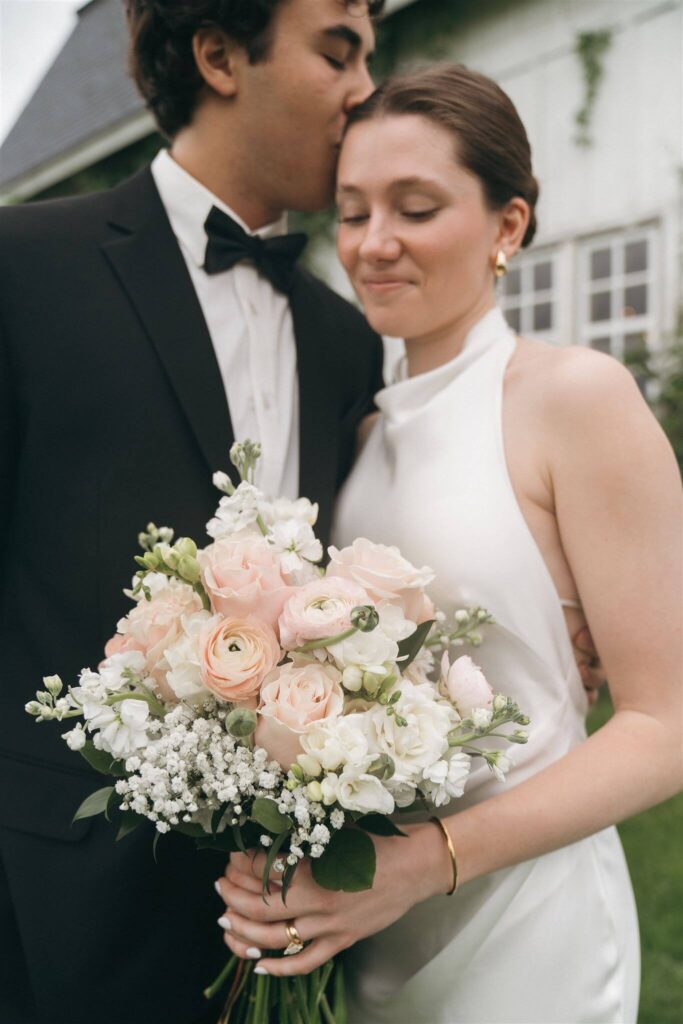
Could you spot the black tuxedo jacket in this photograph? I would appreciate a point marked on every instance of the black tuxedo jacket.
(112, 413)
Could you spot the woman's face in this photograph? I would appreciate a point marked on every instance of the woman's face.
(415, 234)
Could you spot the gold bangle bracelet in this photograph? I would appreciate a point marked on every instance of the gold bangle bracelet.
(451, 851)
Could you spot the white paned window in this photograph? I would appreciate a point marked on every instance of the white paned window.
(617, 291)
(527, 294)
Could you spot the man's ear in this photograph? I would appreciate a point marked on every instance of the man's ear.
(217, 57)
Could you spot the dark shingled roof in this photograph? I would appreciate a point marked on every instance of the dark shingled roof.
(85, 92)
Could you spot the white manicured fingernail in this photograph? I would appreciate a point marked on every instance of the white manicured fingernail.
(224, 922)
(217, 887)
(260, 970)
(253, 953)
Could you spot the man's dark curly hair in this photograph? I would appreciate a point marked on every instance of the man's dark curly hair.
(160, 53)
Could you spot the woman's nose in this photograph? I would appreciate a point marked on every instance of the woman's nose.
(379, 242)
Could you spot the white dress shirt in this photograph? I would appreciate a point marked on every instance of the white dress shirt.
(251, 329)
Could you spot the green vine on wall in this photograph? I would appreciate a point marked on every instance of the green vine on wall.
(590, 49)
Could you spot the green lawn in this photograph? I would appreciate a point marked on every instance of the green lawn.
(654, 848)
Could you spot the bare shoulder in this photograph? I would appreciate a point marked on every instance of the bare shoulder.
(575, 386)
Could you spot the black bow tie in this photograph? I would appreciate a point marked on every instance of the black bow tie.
(228, 243)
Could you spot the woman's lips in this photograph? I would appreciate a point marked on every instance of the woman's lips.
(381, 285)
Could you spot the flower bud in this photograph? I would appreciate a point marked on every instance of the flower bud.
(241, 722)
(352, 678)
(500, 702)
(364, 617)
(518, 737)
(223, 482)
(291, 784)
(309, 765)
(168, 555)
(151, 560)
(34, 708)
(522, 719)
(314, 792)
(461, 615)
(188, 569)
(53, 684)
(372, 683)
(75, 739)
(382, 767)
(186, 546)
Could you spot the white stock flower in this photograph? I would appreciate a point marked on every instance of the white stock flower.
(283, 508)
(120, 729)
(481, 717)
(499, 764)
(423, 739)
(394, 623)
(184, 675)
(421, 667)
(75, 738)
(446, 779)
(236, 513)
(296, 542)
(114, 670)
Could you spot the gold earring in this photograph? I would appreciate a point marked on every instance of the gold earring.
(501, 267)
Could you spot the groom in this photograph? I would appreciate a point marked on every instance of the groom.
(141, 331)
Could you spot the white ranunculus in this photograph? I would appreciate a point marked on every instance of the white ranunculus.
(369, 651)
(423, 739)
(358, 791)
(337, 742)
(446, 779)
(184, 675)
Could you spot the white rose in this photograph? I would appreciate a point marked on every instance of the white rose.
(359, 791)
(423, 739)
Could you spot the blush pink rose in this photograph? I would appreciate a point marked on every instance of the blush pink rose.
(319, 609)
(243, 578)
(235, 656)
(465, 685)
(386, 576)
(154, 625)
(292, 698)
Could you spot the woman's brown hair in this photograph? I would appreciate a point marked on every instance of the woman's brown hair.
(490, 139)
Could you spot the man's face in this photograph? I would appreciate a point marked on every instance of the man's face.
(293, 104)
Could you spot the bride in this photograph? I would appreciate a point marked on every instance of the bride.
(537, 484)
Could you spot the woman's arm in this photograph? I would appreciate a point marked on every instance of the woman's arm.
(617, 495)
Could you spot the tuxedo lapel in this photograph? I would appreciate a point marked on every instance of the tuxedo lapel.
(145, 257)
(318, 425)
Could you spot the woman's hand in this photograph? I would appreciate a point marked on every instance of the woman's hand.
(408, 871)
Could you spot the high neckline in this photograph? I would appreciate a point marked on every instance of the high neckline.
(409, 393)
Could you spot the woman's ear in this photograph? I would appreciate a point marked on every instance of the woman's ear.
(217, 57)
(513, 222)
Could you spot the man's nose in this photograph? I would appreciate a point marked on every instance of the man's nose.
(363, 87)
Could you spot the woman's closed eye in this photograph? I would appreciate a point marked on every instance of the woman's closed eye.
(420, 214)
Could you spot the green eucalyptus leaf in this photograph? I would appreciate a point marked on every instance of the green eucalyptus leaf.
(379, 825)
(94, 804)
(348, 863)
(409, 648)
(265, 812)
(129, 822)
(101, 760)
(112, 805)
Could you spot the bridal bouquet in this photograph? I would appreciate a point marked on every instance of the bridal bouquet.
(252, 700)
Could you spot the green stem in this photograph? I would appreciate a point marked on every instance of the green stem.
(313, 645)
(327, 1012)
(216, 985)
(155, 706)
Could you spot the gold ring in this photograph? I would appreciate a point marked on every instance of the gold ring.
(295, 941)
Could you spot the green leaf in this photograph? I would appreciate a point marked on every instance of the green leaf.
(94, 804)
(379, 825)
(237, 837)
(265, 812)
(224, 842)
(129, 822)
(270, 858)
(101, 760)
(348, 863)
(189, 828)
(112, 805)
(409, 648)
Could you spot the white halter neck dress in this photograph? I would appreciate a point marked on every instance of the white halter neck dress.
(553, 940)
